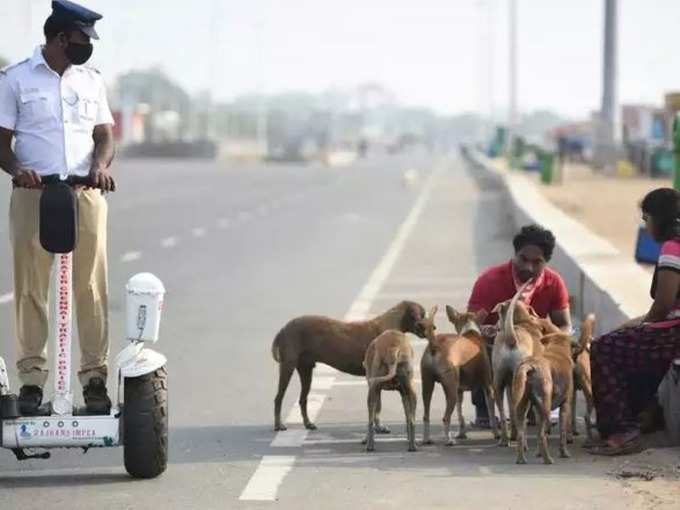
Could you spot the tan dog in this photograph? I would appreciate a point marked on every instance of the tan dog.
(342, 345)
(518, 337)
(582, 378)
(545, 380)
(389, 366)
(459, 362)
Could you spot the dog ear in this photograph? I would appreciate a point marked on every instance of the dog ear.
(452, 314)
(433, 312)
(532, 312)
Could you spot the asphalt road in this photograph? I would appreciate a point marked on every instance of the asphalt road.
(242, 249)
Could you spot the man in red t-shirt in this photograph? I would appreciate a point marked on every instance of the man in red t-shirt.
(548, 294)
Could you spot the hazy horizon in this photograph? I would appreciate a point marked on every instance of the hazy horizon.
(433, 54)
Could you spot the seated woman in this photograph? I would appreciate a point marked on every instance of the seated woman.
(643, 348)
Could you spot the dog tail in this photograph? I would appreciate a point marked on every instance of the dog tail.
(276, 352)
(391, 372)
(510, 335)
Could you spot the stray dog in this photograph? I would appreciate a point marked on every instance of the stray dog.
(547, 381)
(305, 340)
(518, 337)
(582, 378)
(459, 362)
(389, 366)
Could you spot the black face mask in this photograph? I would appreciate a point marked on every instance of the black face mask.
(77, 53)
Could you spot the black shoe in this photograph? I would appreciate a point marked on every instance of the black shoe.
(30, 398)
(97, 400)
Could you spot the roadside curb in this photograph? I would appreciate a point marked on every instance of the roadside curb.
(599, 277)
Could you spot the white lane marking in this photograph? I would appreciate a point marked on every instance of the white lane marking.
(270, 473)
(293, 438)
(314, 403)
(264, 484)
(169, 242)
(6, 298)
(484, 470)
(198, 232)
(224, 223)
(362, 304)
(130, 256)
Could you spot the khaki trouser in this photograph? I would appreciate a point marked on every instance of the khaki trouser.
(32, 277)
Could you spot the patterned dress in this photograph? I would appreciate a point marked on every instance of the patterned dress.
(629, 363)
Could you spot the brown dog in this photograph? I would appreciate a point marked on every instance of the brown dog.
(389, 366)
(582, 378)
(545, 380)
(518, 337)
(459, 362)
(305, 340)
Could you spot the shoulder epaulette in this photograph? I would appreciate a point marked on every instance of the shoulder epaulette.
(12, 66)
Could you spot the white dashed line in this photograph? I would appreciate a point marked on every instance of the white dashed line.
(6, 298)
(169, 242)
(130, 256)
(198, 232)
(265, 483)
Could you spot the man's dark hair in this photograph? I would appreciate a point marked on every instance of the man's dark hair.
(55, 25)
(663, 205)
(537, 236)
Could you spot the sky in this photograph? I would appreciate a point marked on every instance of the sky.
(449, 55)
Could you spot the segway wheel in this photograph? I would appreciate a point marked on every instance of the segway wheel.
(145, 424)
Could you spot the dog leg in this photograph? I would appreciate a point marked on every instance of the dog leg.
(371, 401)
(513, 418)
(285, 373)
(588, 394)
(408, 399)
(450, 394)
(543, 423)
(573, 429)
(305, 373)
(500, 401)
(427, 389)
(379, 427)
(491, 406)
(522, 445)
(461, 419)
(565, 419)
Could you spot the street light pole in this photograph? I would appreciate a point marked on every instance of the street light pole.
(512, 114)
(609, 130)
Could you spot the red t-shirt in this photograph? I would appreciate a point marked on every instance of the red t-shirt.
(497, 285)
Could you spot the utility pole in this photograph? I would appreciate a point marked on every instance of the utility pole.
(608, 132)
(512, 113)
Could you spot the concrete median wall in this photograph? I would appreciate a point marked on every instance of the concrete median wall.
(600, 279)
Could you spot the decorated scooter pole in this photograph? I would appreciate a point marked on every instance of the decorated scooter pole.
(62, 403)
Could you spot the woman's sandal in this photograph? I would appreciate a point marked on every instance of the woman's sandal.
(627, 448)
(589, 444)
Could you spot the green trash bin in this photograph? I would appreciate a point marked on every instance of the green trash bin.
(547, 166)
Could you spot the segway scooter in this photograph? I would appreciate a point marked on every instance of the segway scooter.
(139, 423)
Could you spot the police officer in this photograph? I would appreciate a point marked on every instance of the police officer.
(55, 109)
